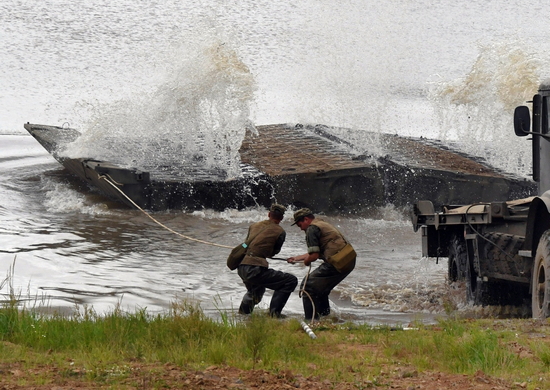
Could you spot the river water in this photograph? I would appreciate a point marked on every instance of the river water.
(203, 71)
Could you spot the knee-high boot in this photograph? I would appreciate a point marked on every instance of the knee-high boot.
(278, 302)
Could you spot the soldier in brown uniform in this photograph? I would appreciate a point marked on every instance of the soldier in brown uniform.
(323, 240)
(254, 269)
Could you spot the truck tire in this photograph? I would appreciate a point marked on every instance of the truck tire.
(502, 254)
(460, 269)
(457, 259)
(540, 293)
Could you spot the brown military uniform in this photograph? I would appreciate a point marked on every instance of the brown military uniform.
(264, 244)
(255, 272)
(331, 239)
(325, 239)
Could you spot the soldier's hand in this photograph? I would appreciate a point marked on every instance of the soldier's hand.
(295, 259)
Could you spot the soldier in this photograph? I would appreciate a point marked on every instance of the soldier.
(324, 241)
(254, 269)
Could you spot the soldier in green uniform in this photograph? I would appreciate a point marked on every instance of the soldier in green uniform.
(323, 241)
(254, 270)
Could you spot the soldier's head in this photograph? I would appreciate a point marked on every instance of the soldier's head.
(277, 212)
(303, 218)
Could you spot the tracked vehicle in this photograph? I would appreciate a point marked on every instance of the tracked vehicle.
(500, 248)
(303, 165)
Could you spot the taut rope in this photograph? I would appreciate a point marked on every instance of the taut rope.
(110, 180)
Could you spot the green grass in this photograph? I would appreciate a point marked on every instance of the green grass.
(104, 346)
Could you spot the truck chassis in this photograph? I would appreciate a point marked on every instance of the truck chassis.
(500, 249)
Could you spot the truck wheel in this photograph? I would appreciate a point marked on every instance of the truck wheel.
(501, 252)
(540, 293)
(460, 270)
(457, 259)
(501, 256)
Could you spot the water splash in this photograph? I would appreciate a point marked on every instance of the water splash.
(198, 115)
(478, 109)
(61, 198)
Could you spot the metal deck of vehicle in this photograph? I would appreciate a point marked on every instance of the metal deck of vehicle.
(310, 166)
(306, 166)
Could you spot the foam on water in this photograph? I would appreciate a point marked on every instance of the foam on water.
(249, 215)
(59, 197)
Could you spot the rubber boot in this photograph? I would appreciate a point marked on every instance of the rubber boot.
(247, 304)
(308, 307)
(278, 302)
(323, 306)
(251, 299)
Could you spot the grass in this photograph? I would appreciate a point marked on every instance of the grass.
(101, 348)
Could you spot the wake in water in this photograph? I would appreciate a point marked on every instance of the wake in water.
(198, 115)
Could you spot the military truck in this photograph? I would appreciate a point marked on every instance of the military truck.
(500, 249)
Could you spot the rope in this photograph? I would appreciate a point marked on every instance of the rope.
(303, 291)
(104, 177)
(110, 180)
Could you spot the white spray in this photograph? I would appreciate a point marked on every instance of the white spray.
(477, 110)
(198, 114)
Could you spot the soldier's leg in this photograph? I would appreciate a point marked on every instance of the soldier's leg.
(281, 295)
(318, 285)
(282, 283)
(255, 292)
(252, 297)
(309, 302)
